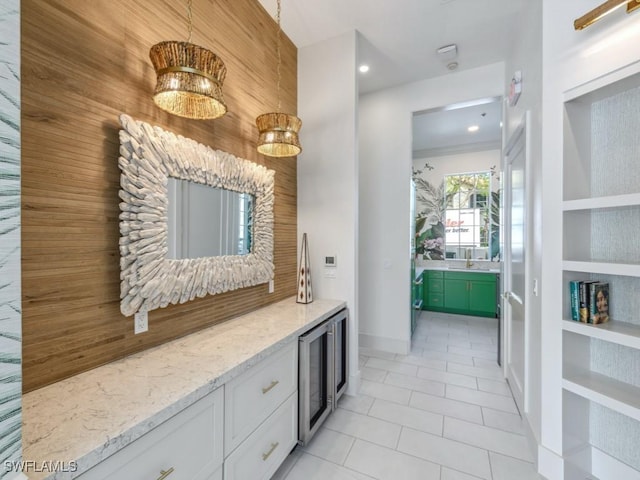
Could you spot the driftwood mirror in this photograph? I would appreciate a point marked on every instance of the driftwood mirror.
(149, 279)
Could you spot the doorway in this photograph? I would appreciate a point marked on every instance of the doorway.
(457, 157)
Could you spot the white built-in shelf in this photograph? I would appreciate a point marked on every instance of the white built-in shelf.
(613, 394)
(613, 331)
(603, 268)
(613, 201)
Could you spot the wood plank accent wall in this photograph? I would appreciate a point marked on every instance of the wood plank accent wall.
(84, 63)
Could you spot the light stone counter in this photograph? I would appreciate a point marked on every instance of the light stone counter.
(92, 415)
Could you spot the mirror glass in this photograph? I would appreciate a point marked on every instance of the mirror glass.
(468, 215)
(205, 221)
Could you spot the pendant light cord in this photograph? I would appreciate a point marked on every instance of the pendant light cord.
(190, 19)
(278, 51)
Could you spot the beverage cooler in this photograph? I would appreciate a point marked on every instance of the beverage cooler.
(323, 373)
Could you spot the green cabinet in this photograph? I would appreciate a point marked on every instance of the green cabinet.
(433, 290)
(467, 293)
(457, 294)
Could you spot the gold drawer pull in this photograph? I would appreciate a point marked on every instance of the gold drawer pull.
(165, 473)
(273, 384)
(268, 454)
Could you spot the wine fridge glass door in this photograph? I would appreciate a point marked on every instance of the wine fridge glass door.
(316, 366)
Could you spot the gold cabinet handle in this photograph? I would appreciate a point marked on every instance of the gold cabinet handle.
(273, 384)
(165, 473)
(268, 454)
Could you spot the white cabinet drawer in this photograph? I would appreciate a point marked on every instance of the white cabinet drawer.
(251, 397)
(189, 442)
(260, 455)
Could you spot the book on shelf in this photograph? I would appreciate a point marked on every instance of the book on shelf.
(584, 300)
(598, 302)
(574, 296)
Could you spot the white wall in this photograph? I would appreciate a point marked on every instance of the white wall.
(384, 178)
(481, 161)
(570, 58)
(327, 173)
(526, 55)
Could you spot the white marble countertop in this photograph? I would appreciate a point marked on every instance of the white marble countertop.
(92, 415)
(459, 266)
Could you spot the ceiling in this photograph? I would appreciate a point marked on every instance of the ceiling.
(445, 131)
(398, 40)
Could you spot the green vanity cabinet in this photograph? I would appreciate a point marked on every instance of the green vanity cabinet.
(462, 292)
(457, 297)
(433, 290)
(470, 293)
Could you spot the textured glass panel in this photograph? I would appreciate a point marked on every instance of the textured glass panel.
(616, 361)
(615, 234)
(615, 434)
(615, 143)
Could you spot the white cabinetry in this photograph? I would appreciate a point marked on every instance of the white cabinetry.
(261, 415)
(601, 241)
(188, 446)
(250, 424)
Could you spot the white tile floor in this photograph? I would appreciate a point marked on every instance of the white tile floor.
(443, 412)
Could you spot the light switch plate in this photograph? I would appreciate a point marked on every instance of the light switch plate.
(271, 286)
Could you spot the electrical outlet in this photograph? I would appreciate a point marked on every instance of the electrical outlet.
(271, 286)
(140, 322)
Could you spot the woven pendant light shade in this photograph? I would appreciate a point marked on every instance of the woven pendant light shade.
(278, 134)
(189, 81)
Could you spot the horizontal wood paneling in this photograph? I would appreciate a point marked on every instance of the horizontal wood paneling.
(84, 63)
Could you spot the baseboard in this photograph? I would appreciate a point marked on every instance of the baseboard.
(384, 344)
(354, 384)
(550, 464)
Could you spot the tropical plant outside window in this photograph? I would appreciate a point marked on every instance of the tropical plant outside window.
(468, 215)
(460, 215)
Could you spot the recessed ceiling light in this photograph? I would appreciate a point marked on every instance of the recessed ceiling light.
(363, 68)
(473, 128)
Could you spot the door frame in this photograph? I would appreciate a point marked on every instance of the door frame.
(523, 129)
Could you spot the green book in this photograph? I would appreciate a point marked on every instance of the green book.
(574, 295)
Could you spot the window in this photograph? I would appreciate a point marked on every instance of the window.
(467, 215)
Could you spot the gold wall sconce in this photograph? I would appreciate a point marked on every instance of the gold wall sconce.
(278, 132)
(189, 78)
(602, 10)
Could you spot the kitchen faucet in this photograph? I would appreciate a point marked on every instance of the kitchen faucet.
(467, 256)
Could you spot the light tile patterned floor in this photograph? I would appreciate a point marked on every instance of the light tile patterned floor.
(443, 412)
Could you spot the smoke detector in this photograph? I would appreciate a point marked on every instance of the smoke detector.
(452, 65)
(448, 52)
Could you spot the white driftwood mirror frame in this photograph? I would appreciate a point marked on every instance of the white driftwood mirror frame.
(148, 280)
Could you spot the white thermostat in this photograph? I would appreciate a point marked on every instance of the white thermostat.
(330, 261)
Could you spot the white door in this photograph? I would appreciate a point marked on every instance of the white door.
(514, 318)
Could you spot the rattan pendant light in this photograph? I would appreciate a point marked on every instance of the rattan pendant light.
(190, 78)
(278, 132)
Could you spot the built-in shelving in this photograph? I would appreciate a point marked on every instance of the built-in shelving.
(613, 331)
(611, 201)
(618, 396)
(601, 218)
(602, 268)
